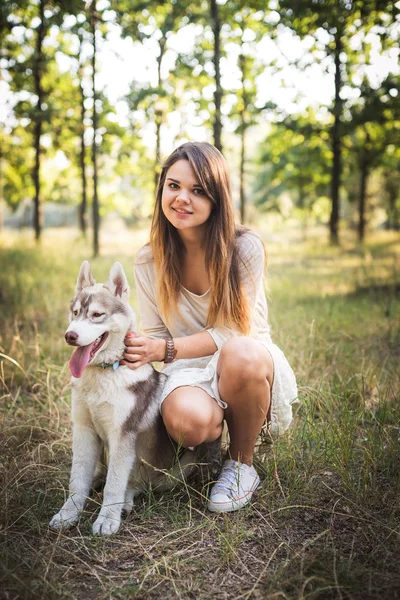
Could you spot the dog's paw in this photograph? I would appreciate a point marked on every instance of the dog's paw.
(106, 525)
(64, 520)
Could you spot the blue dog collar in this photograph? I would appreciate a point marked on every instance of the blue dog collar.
(113, 365)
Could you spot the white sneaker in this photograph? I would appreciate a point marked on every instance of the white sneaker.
(234, 488)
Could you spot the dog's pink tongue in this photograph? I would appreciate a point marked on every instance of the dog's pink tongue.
(80, 359)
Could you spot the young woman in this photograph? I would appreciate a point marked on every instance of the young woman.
(203, 312)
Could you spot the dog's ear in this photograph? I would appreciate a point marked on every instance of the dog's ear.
(85, 277)
(117, 282)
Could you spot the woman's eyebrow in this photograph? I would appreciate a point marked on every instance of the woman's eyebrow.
(177, 181)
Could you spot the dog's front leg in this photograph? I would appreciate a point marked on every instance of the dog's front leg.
(86, 448)
(122, 458)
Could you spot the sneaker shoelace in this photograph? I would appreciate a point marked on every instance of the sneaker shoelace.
(229, 479)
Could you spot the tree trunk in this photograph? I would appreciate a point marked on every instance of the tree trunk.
(95, 207)
(393, 220)
(216, 25)
(159, 115)
(302, 206)
(83, 220)
(394, 214)
(83, 217)
(243, 125)
(38, 67)
(336, 146)
(396, 218)
(242, 175)
(1, 191)
(363, 194)
(1, 160)
(158, 152)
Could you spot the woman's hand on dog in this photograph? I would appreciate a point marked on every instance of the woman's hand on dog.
(140, 350)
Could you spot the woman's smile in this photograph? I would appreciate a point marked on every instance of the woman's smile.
(181, 212)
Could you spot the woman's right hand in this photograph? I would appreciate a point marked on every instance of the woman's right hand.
(140, 350)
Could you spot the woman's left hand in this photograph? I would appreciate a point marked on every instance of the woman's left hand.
(140, 350)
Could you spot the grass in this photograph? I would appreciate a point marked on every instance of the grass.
(324, 524)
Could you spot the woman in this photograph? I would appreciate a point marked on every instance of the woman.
(203, 312)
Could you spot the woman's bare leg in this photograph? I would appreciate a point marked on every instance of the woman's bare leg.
(246, 371)
(191, 416)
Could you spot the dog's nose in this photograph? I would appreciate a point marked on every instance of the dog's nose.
(71, 338)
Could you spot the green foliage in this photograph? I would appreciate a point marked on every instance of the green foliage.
(19, 54)
(18, 164)
(295, 158)
(334, 25)
(144, 21)
(375, 119)
(246, 28)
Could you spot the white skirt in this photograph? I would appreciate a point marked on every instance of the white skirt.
(202, 373)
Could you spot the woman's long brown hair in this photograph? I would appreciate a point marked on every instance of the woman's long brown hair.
(228, 302)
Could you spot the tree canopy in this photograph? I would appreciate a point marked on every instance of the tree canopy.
(212, 73)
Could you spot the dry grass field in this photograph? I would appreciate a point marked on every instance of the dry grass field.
(324, 524)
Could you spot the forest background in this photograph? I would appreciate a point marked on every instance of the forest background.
(302, 96)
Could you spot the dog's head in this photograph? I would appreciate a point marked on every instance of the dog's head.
(100, 317)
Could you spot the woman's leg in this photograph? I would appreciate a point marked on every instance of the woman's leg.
(246, 372)
(191, 416)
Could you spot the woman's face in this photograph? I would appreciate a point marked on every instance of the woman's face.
(183, 201)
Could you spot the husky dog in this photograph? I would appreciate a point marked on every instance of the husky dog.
(113, 407)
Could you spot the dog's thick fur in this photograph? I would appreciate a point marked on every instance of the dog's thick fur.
(116, 410)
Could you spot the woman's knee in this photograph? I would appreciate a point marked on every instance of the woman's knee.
(243, 360)
(188, 423)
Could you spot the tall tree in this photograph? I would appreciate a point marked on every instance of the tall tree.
(83, 216)
(38, 67)
(391, 187)
(80, 30)
(373, 134)
(16, 164)
(28, 72)
(338, 20)
(216, 28)
(144, 21)
(293, 161)
(245, 31)
(94, 18)
(202, 67)
(8, 20)
(74, 40)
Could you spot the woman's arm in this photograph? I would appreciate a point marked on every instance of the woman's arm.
(141, 349)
